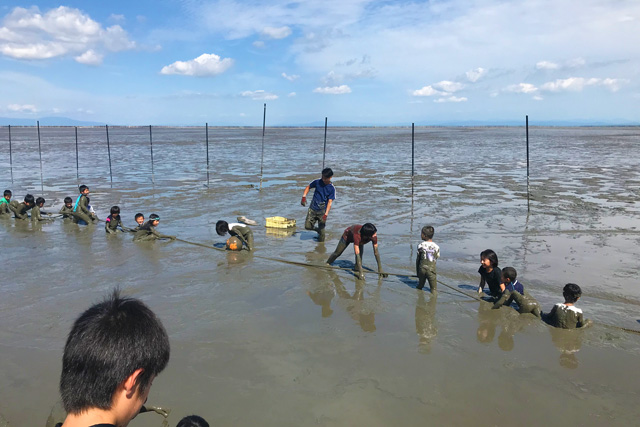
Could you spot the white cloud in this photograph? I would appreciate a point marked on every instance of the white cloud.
(290, 77)
(26, 108)
(614, 84)
(259, 95)
(427, 91)
(537, 98)
(259, 44)
(291, 95)
(547, 65)
(448, 86)
(333, 90)
(476, 74)
(276, 33)
(64, 31)
(577, 84)
(207, 64)
(90, 57)
(451, 99)
(522, 88)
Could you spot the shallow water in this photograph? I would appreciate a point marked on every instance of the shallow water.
(255, 341)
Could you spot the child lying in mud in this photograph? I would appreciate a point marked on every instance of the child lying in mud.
(148, 231)
(513, 291)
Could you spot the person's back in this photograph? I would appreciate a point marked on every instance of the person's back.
(112, 354)
(427, 254)
(566, 315)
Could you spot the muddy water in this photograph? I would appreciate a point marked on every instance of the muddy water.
(258, 342)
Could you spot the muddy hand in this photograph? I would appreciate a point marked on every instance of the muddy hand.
(156, 409)
(303, 202)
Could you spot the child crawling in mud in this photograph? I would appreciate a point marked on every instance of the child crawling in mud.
(566, 315)
(238, 230)
(148, 232)
(359, 235)
(490, 274)
(513, 291)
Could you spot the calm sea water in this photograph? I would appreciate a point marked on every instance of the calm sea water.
(257, 341)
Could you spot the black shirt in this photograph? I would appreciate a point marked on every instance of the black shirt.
(492, 279)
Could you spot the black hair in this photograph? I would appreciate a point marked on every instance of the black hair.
(82, 188)
(510, 273)
(571, 292)
(107, 344)
(138, 215)
(327, 173)
(368, 230)
(40, 200)
(29, 199)
(68, 199)
(222, 227)
(7, 193)
(491, 256)
(115, 210)
(154, 217)
(427, 232)
(192, 421)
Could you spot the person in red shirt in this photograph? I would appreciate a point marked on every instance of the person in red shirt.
(359, 235)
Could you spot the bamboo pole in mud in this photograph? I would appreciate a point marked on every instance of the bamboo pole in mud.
(10, 155)
(206, 132)
(264, 121)
(413, 154)
(109, 153)
(528, 193)
(324, 148)
(151, 147)
(77, 161)
(40, 152)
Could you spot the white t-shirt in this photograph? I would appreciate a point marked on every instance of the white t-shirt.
(429, 251)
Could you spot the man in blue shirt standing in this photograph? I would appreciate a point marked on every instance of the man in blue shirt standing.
(323, 197)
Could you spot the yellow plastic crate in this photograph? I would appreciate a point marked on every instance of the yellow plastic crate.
(280, 222)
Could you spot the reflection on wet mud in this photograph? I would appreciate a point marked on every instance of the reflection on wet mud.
(426, 325)
(509, 320)
(569, 342)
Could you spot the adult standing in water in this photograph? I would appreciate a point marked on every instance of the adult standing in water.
(323, 197)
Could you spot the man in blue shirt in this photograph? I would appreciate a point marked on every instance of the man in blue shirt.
(323, 197)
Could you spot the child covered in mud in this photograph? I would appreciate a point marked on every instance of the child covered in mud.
(490, 274)
(6, 204)
(82, 213)
(114, 221)
(148, 232)
(359, 235)
(566, 315)
(241, 231)
(323, 196)
(428, 253)
(513, 291)
(21, 210)
(139, 218)
(36, 211)
(67, 209)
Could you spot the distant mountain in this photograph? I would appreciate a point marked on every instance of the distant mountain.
(47, 121)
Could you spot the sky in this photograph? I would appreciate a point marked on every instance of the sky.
(361, 62)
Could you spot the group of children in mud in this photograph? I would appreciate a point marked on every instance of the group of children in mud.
(504, 288)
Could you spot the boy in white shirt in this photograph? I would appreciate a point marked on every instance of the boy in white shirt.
(428, 253)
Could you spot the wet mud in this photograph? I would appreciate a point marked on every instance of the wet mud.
(259, 342)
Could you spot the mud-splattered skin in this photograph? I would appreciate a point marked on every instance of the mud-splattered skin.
(82, 212)
(148, 232)
(566, 316)
(526, 303)
(314, 217)
(66, 211)
(112, 223)
(21, 211)
(243, 233)
(36, 214)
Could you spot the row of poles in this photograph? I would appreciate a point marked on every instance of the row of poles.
(264, 120)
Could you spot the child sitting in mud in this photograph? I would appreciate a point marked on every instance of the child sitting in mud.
(490, 274)
(21, 210)
(139, 220)
(6, 205)
(82, 213)
(513, 291)
(238, 230)
(67, 209)
(36, 212)
(566, 315)
(114, 221)
(323, 196)
(428, 253)
(148, 232)
(359, 235)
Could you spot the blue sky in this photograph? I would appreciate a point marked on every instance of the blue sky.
(357, 61)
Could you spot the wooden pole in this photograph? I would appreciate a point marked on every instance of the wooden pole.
(528, 192)
(324, 149)
(206, 129)
(40, 151)
(109, 152)
(77, 160)
(10, 155)
(151, 147)
(264, 121)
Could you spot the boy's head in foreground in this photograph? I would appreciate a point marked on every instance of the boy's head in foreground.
(222, 227)
(68, 202)
(368, 230)
(115, 211)
(489, 258)
(154, 219)
(509, 275)
(29, 200)
(571, 293)
(40, 202)
(427, 232)
(83, 189)
(113, 352)
(7, 194)
(139, 218)
(327, 173)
